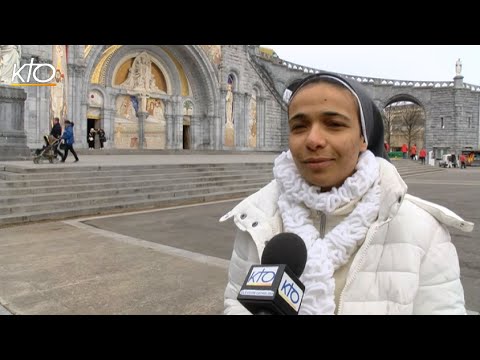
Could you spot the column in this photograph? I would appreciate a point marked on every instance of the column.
(218, 140)
(142, 115)
(169, 124)
(13, 141)
(109, 127)
(74, 99)
(177, 123)
(260, 122)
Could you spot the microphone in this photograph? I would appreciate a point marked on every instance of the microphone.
(273, 288)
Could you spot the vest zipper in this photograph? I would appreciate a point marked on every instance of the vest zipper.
(323, 222)
(363, 249)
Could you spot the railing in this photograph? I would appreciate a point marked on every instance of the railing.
(374, 81)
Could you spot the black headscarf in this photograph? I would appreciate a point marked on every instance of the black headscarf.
(371, 114)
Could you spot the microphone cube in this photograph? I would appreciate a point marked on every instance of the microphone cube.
(272, 288)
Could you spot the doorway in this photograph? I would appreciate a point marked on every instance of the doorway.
(93, 124)
(186, 137)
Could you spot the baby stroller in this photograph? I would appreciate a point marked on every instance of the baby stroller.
(48, 151)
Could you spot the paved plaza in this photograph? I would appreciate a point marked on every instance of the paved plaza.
(171, 261)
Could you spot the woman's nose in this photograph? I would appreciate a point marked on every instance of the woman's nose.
(316, 137)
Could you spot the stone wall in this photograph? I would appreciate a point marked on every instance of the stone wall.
(457, 103)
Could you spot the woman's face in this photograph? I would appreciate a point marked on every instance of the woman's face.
(325, 136)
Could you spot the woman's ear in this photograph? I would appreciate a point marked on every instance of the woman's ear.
(363, 145)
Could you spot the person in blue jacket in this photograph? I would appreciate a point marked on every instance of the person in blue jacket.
(69, 140)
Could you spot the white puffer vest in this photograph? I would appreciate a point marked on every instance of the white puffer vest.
(406, 265)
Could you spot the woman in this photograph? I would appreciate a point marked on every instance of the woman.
(69, 138)
(372, 248)
(101, 137)
(91, 138)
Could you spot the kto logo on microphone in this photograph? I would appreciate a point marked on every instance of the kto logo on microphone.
(262, 276)
(18, 80)
(290, 292)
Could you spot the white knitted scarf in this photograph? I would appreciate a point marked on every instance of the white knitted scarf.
(297, 200)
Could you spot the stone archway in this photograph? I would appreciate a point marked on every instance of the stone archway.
(184, 64)
(404, 119)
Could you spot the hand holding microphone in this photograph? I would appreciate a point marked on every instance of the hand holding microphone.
(273, 288)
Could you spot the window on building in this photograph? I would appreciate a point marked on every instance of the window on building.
(469, 121)
(443, 123)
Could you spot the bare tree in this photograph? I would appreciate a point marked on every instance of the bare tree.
(405, 119)
(412, 118)
(388, 116)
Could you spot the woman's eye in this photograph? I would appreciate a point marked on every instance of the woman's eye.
(336, 124)
(297, 127)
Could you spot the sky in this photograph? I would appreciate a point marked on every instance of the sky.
(396, 62)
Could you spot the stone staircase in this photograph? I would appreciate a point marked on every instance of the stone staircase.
(407, 167)
(34, 194)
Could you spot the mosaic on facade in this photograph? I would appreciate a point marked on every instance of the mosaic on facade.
(252, 121)
(214, 53)
(229, 120)
(144, 82)
(126, 122)
(59, 91)
(155, 125)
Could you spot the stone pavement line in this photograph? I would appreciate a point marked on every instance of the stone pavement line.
(169, 250)
(155, 210)
(204, 259)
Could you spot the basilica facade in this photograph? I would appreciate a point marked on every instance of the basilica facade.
(198, 97)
